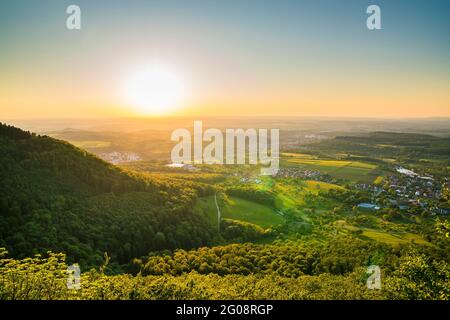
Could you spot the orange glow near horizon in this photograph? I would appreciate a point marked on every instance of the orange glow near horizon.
(364, 107)
(24, 96)
(264, 59)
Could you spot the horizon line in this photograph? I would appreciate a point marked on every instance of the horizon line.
(167, 117)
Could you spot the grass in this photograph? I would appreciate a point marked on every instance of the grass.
(288, 196)
(292, 196)
(379, 180)
(266, 184)
(383, 237)
(297, 155)
(284, 201)
(344, 225)
(91, 144)
(240, 209)
(394, 239)
(249, 211)
(342, 169)
(316, 186)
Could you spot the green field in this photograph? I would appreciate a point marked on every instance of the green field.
(379, 180)
(356, 171)
(316, 186)
(394, 238)
(240, 209)
(289, 195)
(91, 144)
(298, 155)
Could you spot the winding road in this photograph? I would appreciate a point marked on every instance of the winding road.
(218, 212)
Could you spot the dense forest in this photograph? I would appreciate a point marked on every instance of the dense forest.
(416, 276)
(57, 197)
(285, 258)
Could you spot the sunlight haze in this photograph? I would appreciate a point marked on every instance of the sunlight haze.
(231, 57)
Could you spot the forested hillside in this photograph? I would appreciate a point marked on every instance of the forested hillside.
(57, 197)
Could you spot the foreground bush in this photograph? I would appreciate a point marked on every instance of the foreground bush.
(46, 278)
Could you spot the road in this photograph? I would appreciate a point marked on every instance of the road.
(218, 212)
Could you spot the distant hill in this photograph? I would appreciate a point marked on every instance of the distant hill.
(407, 146)
(400, 139)
(54, 196)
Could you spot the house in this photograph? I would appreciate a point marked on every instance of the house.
(188, 167)
(368, 206)
(393, 202)
(443, 211)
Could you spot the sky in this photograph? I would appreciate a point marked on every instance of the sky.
(233, 58)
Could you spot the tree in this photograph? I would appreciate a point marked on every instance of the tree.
(419, 277)
(160, 239)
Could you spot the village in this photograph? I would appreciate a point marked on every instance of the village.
(402, 190)
(408, 191)
(116, 157)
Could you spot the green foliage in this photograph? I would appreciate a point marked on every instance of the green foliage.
(57, 197)
(443, 228)
(253, 194)
(287, 259)
(45, 278)
(419, 277)
(32, 278)
(240, 231)
(400, 146)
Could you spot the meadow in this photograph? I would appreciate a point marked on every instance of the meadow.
(393, 238)
(90, 144)
(356, 171)
(241, 209)
(289, 200)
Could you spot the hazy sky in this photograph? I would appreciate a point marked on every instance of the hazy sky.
(246, 57)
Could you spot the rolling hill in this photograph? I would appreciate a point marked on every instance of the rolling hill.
(57, 197)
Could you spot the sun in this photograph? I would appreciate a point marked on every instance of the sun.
(155, 90)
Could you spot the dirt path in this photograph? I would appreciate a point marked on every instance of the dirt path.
(218, 212)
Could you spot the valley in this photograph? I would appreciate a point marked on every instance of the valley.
(142, 219)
